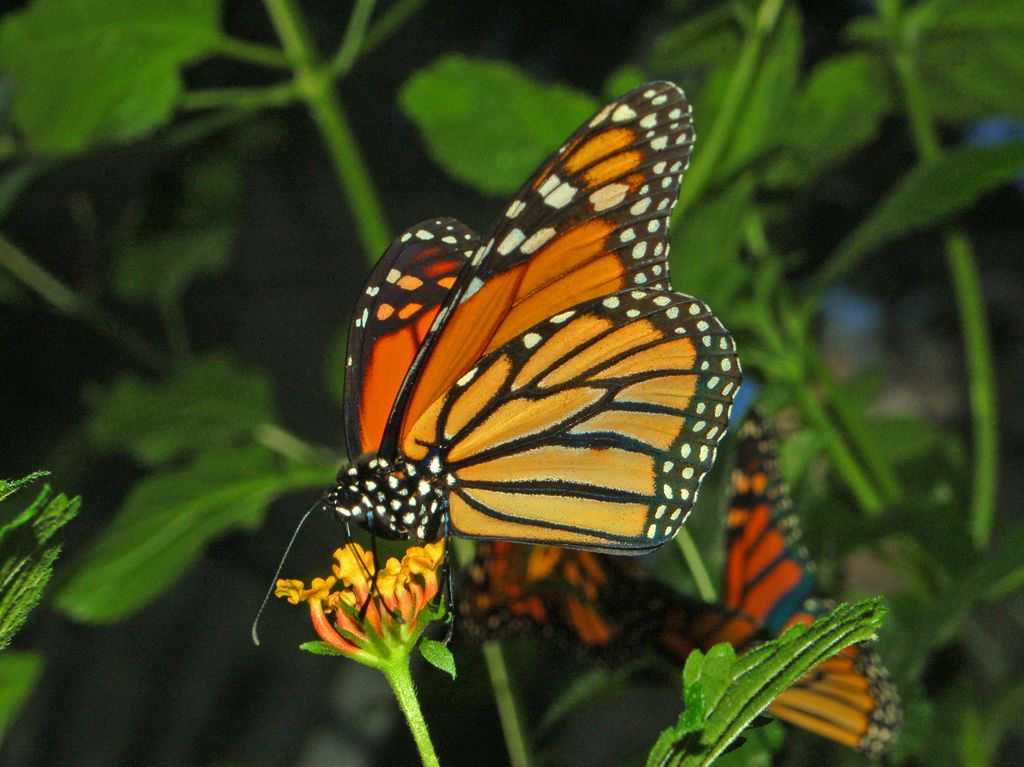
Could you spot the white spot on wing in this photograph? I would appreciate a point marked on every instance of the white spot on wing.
(609, 196)
(537, 239)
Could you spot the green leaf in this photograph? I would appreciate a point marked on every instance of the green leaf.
(438, 655)
(739, 690)
(766, 110)
(320, 648)
(480, 119)
(27, 553)
(929, 195)
(706, 246)
(711, 38)
(209, 404)
(95, 71)
(11, 486)
(194, 237)
(969, 56)
(838, 110)
(166, 521)
(19, 672)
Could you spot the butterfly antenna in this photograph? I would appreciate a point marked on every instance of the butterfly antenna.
(273, 583)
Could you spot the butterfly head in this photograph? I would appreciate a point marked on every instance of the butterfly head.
(396, 500)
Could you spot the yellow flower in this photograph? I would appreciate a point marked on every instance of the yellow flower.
(371, 628)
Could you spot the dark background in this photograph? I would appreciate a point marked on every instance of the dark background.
(180, 683)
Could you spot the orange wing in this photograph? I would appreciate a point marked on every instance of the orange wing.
(592, 221)
(591, 430)
(392, 318)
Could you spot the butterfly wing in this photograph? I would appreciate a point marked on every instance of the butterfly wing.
(605, 606)
(768, 574)
(592, 221)
(848, 698)
(393, 316)
(592, 429)
(769, 577)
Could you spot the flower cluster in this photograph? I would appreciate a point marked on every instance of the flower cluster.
(371, 628)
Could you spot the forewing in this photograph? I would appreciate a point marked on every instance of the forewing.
(392, 317)
(592, 221)
(592, 429)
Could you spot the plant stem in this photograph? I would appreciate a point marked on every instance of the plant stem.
(352, 42)
(67, 301)
(386, 25)
(279, 95)
(313, 81)
(253, 53)
(967, 285)
(699, 571)
(508, 712)
(400, 679)
(708, 159)
(843, 459)
(853, 424)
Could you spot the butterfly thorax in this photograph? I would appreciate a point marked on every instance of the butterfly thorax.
(399, 499)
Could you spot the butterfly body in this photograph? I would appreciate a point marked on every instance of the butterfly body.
(404, 500)
(542, 383)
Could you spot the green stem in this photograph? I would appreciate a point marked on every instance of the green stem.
(508, 712)
(67, 301)
(390, 21)
(843, 459)
(240, 98)
(252, 53)
(352, 42)
(853, 425)
(288, 445)
(315, 85)
(708, 159)
(699, 571)
(964, 273)
(398, 676)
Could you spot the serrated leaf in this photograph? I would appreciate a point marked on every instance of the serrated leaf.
(93, 71)
(167, 520)
(11, 486)
(320, 648)
(929, 195)
(194, 237)
(838, 110)
(479, 119)
(763, 673)
(19, 672)
(27, 553)
(438, 655)
(211, 403)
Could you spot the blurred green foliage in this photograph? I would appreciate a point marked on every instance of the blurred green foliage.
(202, 431)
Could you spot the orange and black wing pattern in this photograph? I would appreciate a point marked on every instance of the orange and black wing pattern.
(768, 574)
(607, 607)
(769, 577)
(592, 429)
(392, 318)
(591, 222)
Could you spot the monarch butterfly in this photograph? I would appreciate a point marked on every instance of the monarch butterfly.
(543, 383)
(612, 609)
